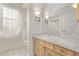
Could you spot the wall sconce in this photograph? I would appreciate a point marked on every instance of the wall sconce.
(37, 18)
(37, 15)
(46, 19)
(36, 11)
(46, 16)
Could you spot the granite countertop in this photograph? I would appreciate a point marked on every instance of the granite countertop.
(72, 44)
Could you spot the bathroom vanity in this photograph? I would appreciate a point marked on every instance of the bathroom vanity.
(77, 12)
(43, 45)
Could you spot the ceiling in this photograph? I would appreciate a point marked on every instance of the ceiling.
(44, 8)
(48, 8)
(15, 5)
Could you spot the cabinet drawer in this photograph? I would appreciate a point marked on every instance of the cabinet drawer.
(76, 54)
(46, 44)
(49, 52)
(63, 51)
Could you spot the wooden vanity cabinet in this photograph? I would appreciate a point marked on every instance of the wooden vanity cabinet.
(76, 54)
(43, 48)
(63, 51)
(38, 49)
(48, 52)
(77, 12)
(46, 44)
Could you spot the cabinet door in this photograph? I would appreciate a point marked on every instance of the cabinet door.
(76, 54)
(40, 50)
(46, 44)
(63, 51)
(48, 52)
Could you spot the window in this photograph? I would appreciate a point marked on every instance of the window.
(10, 19)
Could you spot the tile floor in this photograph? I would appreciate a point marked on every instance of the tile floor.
(19, 51)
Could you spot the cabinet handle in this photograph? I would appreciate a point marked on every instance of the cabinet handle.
(44, 43)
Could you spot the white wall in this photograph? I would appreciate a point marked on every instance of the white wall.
(35, 28)
(0, 18)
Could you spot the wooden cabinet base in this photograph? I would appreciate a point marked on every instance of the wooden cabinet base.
(43, 48)
(48, 52)
(76, 54)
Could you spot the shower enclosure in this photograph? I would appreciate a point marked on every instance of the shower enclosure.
(13, 34)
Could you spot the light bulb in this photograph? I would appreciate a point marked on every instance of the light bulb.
(37, 13)
(46, 17)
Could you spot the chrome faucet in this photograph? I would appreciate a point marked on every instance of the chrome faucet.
(56, 33)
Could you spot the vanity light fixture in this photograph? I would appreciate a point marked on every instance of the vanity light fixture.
(46, 19)
(46, 16)
(36, 12)
(37, 15)
(37, 19)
